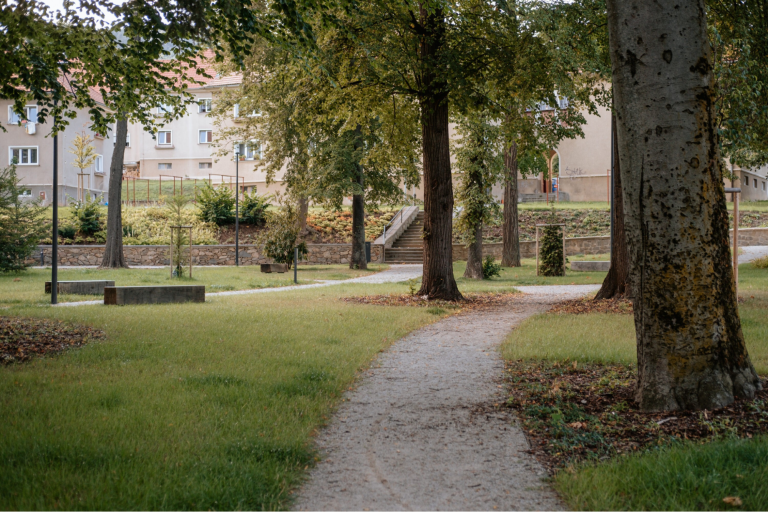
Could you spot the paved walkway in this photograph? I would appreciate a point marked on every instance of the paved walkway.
(420, 432)
(752, 253)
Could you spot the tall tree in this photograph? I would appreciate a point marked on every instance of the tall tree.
(113, 252)
(690, 346)
(510, 253)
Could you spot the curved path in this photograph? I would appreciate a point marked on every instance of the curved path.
(420, 431)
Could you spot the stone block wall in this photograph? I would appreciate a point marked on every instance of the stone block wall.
(582, 245)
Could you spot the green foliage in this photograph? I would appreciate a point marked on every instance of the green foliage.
(22, 223)
(87, 215)
(283, 236)
(253, 209)
(175, 207)
(760, 262)
(67, 231)
(551, 252)
(217, 205)
(149, 226)
(491, 268)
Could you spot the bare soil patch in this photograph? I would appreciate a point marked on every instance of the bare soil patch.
(21, 339)
(573, 412)
(587, 305)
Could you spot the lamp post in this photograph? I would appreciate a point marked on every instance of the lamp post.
(237, 206)
(55, 237)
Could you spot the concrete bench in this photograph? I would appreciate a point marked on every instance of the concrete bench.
(590, 266)
(124, 295)
(80, 287)
(268, 268)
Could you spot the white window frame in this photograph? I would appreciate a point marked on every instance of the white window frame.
(236, 112)
(205, 165)
(204, 105)
(98, 165)
(169, 164)
(14, 118)
(37, 155)
(170, 136)
(250, 155)
(163, 109)
(200, 136)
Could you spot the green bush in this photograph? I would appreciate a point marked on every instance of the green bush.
(217, 205)
(67, 231)
(87, 216)
(760, 262)
(491, 268)
(21, 223)
(253, 209)
(283, 236)
(551, 252)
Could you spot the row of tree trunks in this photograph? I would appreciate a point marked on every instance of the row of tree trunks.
(510, 256)
(616, 283)
(690, 346)
(113, 252)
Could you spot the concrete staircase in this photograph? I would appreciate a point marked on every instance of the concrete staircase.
(409, 247)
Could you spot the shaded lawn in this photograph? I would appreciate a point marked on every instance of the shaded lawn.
(29, 286)
(194, 406)
(525, 276)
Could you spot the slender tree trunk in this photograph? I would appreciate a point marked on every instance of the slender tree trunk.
(358, 211)
(303, 212)
(616, 283)
(113, 252)
(437, 281)
(690, 347)
(510, 252)
(475, 255)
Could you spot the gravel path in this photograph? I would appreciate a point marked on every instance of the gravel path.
(752, 253)
(420, 432)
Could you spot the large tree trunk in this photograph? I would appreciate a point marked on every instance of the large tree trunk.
(616, 283)
(474, 268)
(690, 347)
(437, 281)
(113, 252)
(510, 252)
(358, 212)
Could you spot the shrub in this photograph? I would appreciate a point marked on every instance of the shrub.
(21, 223)
(175, 207)
(760, 262)
(253, 209)
(87, 216)
(283, 236)
(551, 252)
(491, 268)
(217, 205)
(149, 226)
(67, 231)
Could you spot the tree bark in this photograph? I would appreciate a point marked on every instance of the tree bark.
(510, 252)
(437, 278)
(690, 346)
(303, 212)
(474, 268)
(616, 283)
(113, 251)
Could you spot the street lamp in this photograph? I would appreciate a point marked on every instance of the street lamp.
(237, 206)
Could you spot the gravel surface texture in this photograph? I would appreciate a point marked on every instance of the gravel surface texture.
(420, 431)
(752, 253)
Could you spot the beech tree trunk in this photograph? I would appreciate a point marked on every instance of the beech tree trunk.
(616, 283)
(510, 252)
(113, 251)
(690, 347)
(437, 281)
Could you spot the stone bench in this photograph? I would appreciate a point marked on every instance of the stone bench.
(80, 287)
(590, 266)
(124, 295)
(268, 268)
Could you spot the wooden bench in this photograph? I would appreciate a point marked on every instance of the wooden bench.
(279, 268)
(590, 266)
(124, 295)
(80, 287)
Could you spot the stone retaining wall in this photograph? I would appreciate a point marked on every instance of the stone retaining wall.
(157, 255)
(581, 245)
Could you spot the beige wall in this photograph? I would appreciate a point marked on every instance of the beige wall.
(39, 177)
(753, 184)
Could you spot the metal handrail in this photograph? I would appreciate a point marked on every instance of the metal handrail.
(384, 235)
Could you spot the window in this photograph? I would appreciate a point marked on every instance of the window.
(164, 138)
(205, 136)
(127, 139)
(205, 165)
(98, 164)
(162, 109)
(24, 156)
(165, 167)
(204, 105)
(763, 186)
(255, 113)
(746, 181)
(26, 193)
(755, 182)
(249, 151)
(30, 111)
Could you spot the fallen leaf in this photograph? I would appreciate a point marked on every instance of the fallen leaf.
(733, 501)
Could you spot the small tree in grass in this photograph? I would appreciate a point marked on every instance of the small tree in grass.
(175, 208)
(283, 236)
(551, 252)
(85, 154)
(21, 223)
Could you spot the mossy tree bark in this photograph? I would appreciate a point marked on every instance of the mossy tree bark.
(437, 281)
(616, 283)
(510, 252)
(690, 347)
(113, 251)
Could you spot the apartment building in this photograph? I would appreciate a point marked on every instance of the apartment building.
(31, 145)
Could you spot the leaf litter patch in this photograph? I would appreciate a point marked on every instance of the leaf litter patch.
(573, 413)
(586, 305)
(472, 301)
(21, 339)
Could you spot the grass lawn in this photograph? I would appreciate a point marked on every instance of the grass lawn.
(193, 406)
(29, 287)
(689, 476)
